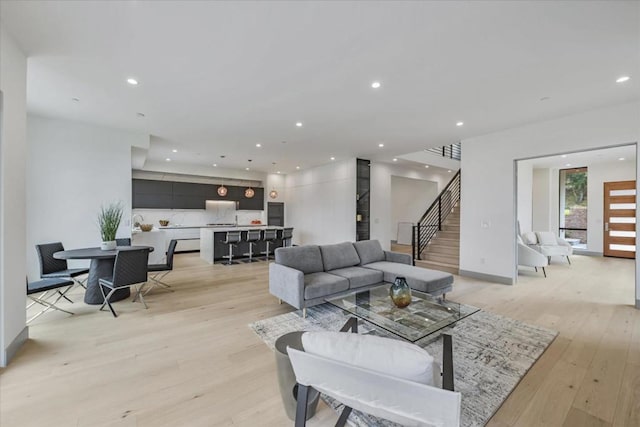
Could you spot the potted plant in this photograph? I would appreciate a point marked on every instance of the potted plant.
(109, 221)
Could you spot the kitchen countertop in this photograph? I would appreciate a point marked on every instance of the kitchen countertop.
(242, 228)
(169, 227)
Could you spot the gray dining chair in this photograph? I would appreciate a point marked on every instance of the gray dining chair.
(43, 291)
(159, 271)
(129, 269)
(52, 268)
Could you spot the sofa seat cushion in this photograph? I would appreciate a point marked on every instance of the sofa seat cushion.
(359, 276)
(340, 255)
(369, 251)
(307, 259)
(321, 284)
(420, 279)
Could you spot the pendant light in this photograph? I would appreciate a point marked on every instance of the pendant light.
(222, 190)
(273, 194)
(249, 192)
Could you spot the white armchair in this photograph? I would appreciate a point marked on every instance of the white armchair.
(548, 244)
(529, 257)
(386, 378)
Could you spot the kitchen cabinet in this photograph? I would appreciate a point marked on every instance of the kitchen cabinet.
(151, 194)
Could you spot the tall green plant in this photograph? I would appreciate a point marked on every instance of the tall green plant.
(109, 221)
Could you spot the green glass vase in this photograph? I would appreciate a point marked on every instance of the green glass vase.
(400, 292)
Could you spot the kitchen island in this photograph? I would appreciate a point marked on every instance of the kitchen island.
(212, 249)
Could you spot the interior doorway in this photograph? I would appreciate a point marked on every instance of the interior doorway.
(620, 219)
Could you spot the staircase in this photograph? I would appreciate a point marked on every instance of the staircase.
(443, 251)
(436, 237)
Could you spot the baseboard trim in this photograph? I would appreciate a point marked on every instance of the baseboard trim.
(488, 277)
(15, 345)
(587, 253)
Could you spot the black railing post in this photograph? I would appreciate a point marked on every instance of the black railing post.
(418, 242)
(439, 213)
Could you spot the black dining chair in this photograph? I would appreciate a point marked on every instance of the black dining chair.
(42, 292)
(124, 241)
(52, 268)
(129, 269)
(159, 271)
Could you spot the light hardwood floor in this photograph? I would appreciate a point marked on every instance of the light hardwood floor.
(191, 360)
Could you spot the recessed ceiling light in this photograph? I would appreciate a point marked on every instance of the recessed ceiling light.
(333, 158)
(75, 99)
(168, 159)
(132, 81)
(297, 167)
(299, 124)
(426, 166)
(459, 124)
(246, 169)
(174, 150)
(449, 171)
(380, 145)
(621, 158)
(568, 164)
(564, 156)
(215, 165)
(278, 172)
(376, 85)
(622, 79)
(395, 160)
(258, 145)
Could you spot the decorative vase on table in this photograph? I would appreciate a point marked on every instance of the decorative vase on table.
(400, 292)
(108, 246)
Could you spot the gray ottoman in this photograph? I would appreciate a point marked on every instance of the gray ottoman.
(287, 378)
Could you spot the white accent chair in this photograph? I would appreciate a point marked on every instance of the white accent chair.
(529, 257)
(386, 378)
(548, 244)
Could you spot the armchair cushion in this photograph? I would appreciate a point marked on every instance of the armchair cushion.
(546, 238)
(384, 355)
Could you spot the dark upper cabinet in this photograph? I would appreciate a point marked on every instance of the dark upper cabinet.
(256, 203)
(152, 194)
(184, 195)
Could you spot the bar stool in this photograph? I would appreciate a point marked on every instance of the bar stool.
(231, 239)
(269, 236)
(252, 237)
(286, 234)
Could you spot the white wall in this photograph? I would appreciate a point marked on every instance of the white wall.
(13, 85)
(410, 198)
(488, 167)
(381, 215)
(542, 201)
(525, 195)
(72, 170)
(321, 203)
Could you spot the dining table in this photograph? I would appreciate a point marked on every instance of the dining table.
(101, 266)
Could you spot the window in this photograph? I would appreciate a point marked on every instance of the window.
(573, 206)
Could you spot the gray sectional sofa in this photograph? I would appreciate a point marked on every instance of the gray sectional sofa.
(304, 276)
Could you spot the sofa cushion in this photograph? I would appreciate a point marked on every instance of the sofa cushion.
(307, 259)
(321, 284)
(359, 276)
(418, 278)
(546, 238)
(339, 256)
(369, 251)
(388, 356)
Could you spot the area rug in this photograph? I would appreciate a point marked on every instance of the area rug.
(491, 355)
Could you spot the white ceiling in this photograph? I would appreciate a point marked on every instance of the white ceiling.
(218, 77)
(586, 158)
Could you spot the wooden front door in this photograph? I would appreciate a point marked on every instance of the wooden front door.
(620, 219)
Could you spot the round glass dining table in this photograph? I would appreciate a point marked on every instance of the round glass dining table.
(101, 266)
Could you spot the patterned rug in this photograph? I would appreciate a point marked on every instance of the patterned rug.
(491, 355)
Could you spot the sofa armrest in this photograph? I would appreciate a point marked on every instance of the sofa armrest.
(287, 284)
(398, 257)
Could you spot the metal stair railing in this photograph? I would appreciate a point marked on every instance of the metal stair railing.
(432, 220)
(452, 151)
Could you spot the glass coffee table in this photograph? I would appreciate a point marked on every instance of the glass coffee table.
(424, 316)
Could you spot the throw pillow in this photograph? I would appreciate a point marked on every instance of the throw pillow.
(547, 238)
(529, 238)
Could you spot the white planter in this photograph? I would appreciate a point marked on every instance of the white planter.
(108, 246)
